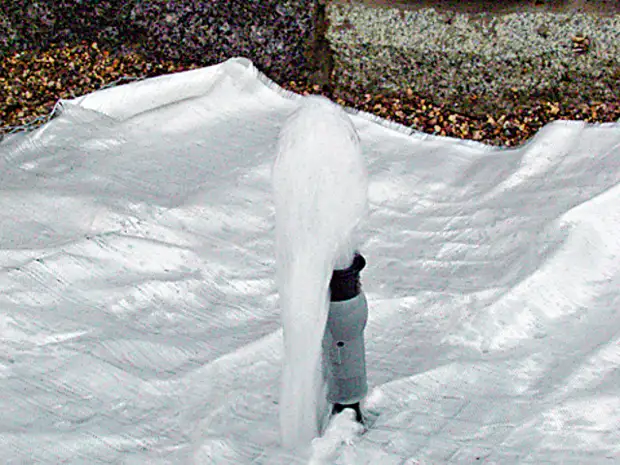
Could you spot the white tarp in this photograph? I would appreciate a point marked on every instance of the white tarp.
(139, 320)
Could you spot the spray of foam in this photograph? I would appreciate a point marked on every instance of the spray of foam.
(320, 192)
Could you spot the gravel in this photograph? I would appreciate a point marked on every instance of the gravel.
(61, 49)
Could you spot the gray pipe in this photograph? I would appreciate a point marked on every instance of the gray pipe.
(344, 351)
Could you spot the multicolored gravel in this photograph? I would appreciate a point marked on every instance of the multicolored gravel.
(31, 83)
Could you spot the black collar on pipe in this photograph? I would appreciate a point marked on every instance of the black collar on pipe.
(345, 284)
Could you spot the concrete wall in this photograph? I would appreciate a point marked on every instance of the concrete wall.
(479, 55)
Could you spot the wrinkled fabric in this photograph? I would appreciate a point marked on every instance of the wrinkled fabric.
(140, 319)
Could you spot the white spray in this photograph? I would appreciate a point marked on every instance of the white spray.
(320, 191)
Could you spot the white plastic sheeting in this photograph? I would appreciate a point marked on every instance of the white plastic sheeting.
(139, 319)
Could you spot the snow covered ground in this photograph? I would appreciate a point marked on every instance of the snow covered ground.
(139, 319)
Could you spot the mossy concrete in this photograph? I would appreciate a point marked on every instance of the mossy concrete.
(476, 61)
